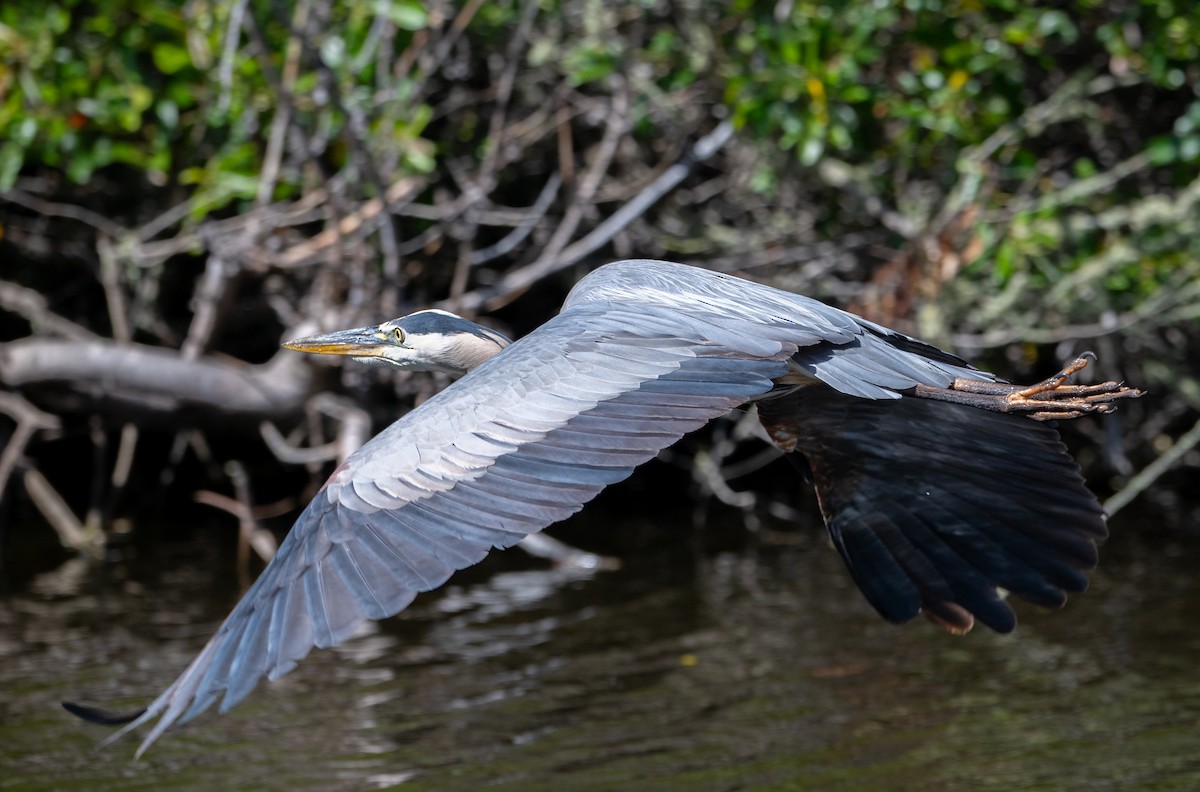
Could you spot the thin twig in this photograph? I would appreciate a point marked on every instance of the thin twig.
(29, 420)
(614, 130)
(250, 535)
(70, 531)
(520, 279)
(369, 213)
(124, 461)
(441, 50)
(504, 86)
(283, 104)
(69, 211)
(114, 295)
(518, 235)
(1151, 473)
(671, 178)
(286, 452)
(205, 303)
(228, 54)
(30, 304)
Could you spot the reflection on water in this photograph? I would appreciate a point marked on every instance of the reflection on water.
(756, 669)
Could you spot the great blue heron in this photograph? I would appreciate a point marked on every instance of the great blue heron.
(934, 504)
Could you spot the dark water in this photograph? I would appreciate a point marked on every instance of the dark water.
(760, 668)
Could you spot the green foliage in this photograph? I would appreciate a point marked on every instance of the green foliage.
(916, 80)
(157, 87)
(934, 105)
(84, 85)
(1017, 108)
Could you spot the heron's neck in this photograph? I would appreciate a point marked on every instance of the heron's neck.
(462, 353)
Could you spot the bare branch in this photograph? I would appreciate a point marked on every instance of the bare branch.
(114, 296)
(1151, 473)
(229, 53)
(157, 377)
(32, 305)
(283, 104)
(70, 531)
(29, 421)
(205, 303)
(369, 214)
(51, 209)
(520, 233)
(614, 130)
(546, 264)
(286, 452)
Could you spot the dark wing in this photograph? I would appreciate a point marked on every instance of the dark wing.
(934, 505)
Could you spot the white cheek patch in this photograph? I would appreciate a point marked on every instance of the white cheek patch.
(426, 353)
(440, 347)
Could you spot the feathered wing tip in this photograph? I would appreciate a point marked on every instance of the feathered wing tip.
(935, 508)
(171, 705)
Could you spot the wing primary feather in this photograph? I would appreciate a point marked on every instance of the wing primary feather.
(250, 662)
(377, 541)
(322, 632)
(467, 506)
(375, 585)
(417, 531)
(471, 533)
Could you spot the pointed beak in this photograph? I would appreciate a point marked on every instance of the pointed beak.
(359, 342)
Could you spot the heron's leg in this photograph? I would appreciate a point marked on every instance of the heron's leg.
(1052, 398)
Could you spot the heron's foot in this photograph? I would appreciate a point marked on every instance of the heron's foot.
(1051, 399)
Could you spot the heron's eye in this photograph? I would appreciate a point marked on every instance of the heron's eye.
(398, 334)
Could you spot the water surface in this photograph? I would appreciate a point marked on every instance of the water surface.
(754, 668)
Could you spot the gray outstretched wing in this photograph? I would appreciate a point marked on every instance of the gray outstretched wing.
(520, 443)
(643, 353)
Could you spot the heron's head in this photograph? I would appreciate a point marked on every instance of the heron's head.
(423, 341)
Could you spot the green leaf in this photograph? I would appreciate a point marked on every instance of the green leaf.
(24, 132)
(81, 167)
(11, 156)
(419, 160)
(588, 64)
(1189, 148)
(1163, 150)
(167, 113)
(170, 58)
(333, 51)
(404, 14)
(811, 150)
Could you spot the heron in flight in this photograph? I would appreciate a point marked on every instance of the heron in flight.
(936, 488)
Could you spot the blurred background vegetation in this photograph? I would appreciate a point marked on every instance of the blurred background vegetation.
(183, 185)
